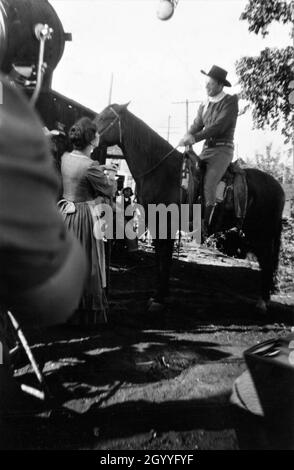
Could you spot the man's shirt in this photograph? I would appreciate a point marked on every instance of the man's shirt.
(216, 119)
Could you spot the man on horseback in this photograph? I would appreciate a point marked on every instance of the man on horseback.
(215, 123)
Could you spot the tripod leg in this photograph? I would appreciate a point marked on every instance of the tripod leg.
(28, 351)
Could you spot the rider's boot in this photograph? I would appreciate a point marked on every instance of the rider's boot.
(208, 214)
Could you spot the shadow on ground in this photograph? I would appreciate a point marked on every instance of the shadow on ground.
(148, 381)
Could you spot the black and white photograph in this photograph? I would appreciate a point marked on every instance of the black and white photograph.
(146, 228)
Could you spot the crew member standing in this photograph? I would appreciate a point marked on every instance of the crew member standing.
(42, 266)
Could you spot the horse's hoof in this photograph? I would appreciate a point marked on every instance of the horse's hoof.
(261, 307)
(155, 307)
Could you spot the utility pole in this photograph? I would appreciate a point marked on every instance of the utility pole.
(110, 89)
(187, 102)
(237, 151)
(168, 127)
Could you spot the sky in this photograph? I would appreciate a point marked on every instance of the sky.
(157, 63)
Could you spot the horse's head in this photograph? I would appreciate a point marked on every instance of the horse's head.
(109, 124)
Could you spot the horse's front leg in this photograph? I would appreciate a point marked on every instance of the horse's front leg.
(265, 255)
(163, 254)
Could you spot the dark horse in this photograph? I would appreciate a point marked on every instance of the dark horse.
(156, 168)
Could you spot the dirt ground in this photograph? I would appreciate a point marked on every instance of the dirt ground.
(152, 381)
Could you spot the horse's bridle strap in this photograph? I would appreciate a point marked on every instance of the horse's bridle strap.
(111, 124)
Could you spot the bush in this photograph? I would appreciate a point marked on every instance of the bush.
(285, 277)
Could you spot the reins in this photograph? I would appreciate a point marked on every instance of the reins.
(142, 175)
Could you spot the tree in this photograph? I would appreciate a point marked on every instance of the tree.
(266, 80)
(272, 163)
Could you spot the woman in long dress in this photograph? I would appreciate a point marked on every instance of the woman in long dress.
(83, 181)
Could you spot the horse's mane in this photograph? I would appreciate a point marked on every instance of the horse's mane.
(151, 145)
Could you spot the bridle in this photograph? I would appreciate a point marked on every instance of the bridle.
(118, 119)
(109, 126)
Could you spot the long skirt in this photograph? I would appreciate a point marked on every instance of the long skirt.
(93, 305)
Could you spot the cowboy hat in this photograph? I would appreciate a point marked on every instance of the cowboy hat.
(218, 74)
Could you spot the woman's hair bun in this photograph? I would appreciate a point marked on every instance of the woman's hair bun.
(82, 133)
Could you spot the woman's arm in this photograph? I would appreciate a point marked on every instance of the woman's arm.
(101, 183)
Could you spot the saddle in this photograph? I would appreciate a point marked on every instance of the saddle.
(231, 193)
